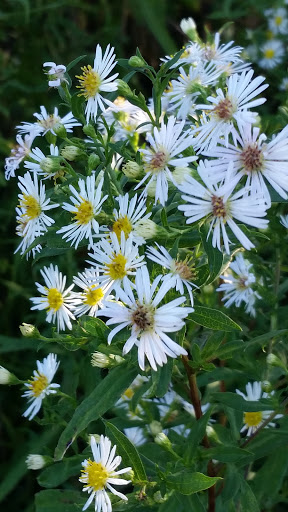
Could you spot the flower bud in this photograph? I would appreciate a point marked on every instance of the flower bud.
(89, 130)
(274, 361)
(163, 440)
(148, 229)
(60, 130)
(70, 152)
(136, 62)
(158, 498)
(180, 173)
(155, 427)
(267, 386)
(7, 378)
(123, 88)
(93, 161)
(132, 169)
(188, 26)
(35, 461)
(50, 164)
(103, 361)
(151, 188)
(29, 331)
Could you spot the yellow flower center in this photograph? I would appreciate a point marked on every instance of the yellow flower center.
(128, 393)
(269, 53)
(122, 224)
(55, 299)
(38, 384)
(90, 82)
(32, 207)
(84, 213)
(116, 269)
(278, 20)
(252, 419)
(97, 475)
(92, 296)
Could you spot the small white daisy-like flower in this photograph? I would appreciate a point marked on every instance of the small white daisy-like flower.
(181, 271)
(271, 54)
(167, 144)
(184, 92)
(27, 236)
(228, 108)
(130, 216)
(54, 298)
(217, 203)
(95, 80)
(40, 385)
(56, 73)
(116, 260)
(255, 158)
(19, 153)
(91, 298)
(135, 435)
(49, 122)
(149, 323)
(240, 288)
(129, 120)
(43, 164)
(32, 207)
(253, 420)
(284, 220)
(99, 474)
(277, 20)
(87, 205)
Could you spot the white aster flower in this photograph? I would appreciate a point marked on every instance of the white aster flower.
(229, 108)
(99, 474)
(272, 54)
(217, 203)
(19, 153)
(26, 234)
(40, 385)
(87, 204)
(54, 298)
(95, 80)
(43, 164)
(253, 420)
(135, 435)
(33, 204)
(183, 92)
(277, 20)
(49, 122)
(56, 73)
(166, 147)
(284, 220)
(181, 271)
(116, 260)
(240, 288)
(91, 298)
(129, 120)
(187, 24)
(149, 323)
(130, 217)
(255, 158)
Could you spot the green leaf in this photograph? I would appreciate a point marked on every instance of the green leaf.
(264, 338)
(161, 379)
(213, 319)
(197, 432)
(59, 501)
(269, 477)
(188, 482)
(77, 104)
(215, 257)
(211, 346)
(127, 451)
(102, 398)
(74, 62)
(238, 402)
(56, 474)
(248, 501)
(95, 327)
(228, 454)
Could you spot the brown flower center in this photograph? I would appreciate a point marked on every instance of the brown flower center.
(252, 158)
(184, 270)
(158, 161)
(143, 317)
(224, 109)
(218, 205)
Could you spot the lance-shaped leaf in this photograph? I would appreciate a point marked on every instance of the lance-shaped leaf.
(96, 404)
(213, 319)
(189, 482)
(127, 451)
(237, 402)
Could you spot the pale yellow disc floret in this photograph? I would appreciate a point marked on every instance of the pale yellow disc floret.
(93, 296)
(97, 475)
(269, 53)
(55, 299)
(252, 419)
(116, 269)
(122, 224)
(90, 82)
(84, 212)
(31, 205)
(38, 384)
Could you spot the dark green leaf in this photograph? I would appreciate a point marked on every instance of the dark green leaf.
(215, 257)
(55, 475)
(161, 379)
(188, 482)
(213, 319)
(238, 402)
(74, 62)
(247, 498)
(59, 501)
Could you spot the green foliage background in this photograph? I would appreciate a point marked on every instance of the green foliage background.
(32, 32)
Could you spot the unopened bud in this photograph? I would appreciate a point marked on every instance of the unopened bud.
(70, 152)
(188, 26)
(50, 164)
(136, 62)
(132, 169)
(123, 88)
(29, 331)
(89, 130)
(275, 361)
(158, 498)
(93, 161)
(151, 188)
(103, 361)
(155, 427)
(163, 440)
(180, 173)
(7, 378)
(147, 229)
(267, 386)
(35, 461)
(60, 130)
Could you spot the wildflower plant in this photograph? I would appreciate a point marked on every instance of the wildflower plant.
(152, 280)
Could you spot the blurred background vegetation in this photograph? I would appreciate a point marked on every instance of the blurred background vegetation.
(32, 32)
